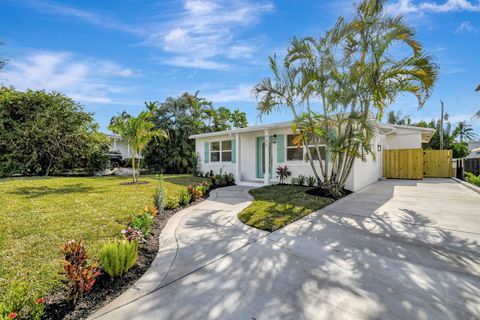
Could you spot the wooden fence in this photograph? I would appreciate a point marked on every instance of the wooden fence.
(417, 163)
(403, 164)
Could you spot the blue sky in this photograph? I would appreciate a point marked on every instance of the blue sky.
(114, 55)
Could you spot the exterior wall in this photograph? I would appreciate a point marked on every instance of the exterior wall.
(368, 172)
(473, 144)
(405, 139)
(228, 167)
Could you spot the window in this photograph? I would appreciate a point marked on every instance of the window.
(221, 151)
(294, 153)
(314, 153)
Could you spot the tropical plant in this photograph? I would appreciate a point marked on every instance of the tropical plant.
(181, 117)
(137, 132)
(473, 179)
(159, 194)
(464, 131)
(311, 181)
(294, 181)
(117, 257)
(283, 173)
(194, 193)
(20, 303)
(80, 275)
(131, 234)
(171, 203)
(143, 223)
(301, 180)
(184, 197)
(397, 118)
(351, 73)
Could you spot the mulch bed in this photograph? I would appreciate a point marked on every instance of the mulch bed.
(107, 289)
(131, 182)
(321, 192)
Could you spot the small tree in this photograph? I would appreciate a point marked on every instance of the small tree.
(137, 132)
(283, 173)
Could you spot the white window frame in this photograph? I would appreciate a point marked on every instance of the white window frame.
(221, 151)
(293, 147)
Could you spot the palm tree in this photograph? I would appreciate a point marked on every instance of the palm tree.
(397, 118)
(351, 74)
(464, 131)
(137, 132)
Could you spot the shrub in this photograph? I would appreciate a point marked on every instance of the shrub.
(19, 303)
(131, 234)
(143, 223)
(80, 276)
(117, 257)
(184, 197)
(470, 177)
(194, 193)
(311, 181)
(229, 179)
(301, 180)
(159, 195)
(153, 211)
(171, 203)
(283, 173)
(294, 181)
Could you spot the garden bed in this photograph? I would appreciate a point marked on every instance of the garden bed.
(106, 289)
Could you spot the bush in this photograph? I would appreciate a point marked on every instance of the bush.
(311, 181)
(229, 179)
(184, 197)
(470, 177)
(143, 223)
(159, 195)
(283, 173)
(117, 257)
(153, 211)
(171, 203)
(301, 180)
(294, 181)
(18, 303)
(80, 276)
(194, 193)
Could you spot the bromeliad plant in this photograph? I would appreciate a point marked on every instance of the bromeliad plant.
(80, 275)
(283, 173)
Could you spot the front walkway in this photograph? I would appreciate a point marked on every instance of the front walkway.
(395, 250)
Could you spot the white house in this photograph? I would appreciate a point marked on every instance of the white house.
(117, 145)
(252, 154)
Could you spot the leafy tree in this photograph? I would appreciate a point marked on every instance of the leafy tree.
(353, 76)
(47, 133)
(397, 118)
(464, 131)
(137, 132)
(181, 117)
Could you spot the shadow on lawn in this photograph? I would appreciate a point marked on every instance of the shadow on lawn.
(374, 265)
(36, 192)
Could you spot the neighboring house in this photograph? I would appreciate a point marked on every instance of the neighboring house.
(244, 152)
(474, 148)
(119, 150)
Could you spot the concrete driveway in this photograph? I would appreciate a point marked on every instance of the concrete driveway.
(395, 250)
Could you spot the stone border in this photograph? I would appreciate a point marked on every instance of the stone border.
(468, 185)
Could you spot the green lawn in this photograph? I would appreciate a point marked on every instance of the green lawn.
(276, 206)
(39, 214)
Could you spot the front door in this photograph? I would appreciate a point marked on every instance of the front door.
(261, 157)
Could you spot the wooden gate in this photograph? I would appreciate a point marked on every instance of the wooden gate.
(437, 163)
(403, 164)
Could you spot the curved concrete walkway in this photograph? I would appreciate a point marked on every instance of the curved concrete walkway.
(395, 250)
(193, 239)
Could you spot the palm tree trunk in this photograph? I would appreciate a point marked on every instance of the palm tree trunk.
(133, 167)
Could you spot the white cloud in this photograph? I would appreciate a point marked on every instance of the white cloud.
(83, 79)
(206, 31)
(407, 6)
(467, 26)
(240, 93)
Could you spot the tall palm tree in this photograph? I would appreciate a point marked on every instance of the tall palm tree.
(397, 118)
(137, 132)
(464, 131)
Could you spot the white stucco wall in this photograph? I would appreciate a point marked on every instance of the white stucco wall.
(228, 167)
(403, 139)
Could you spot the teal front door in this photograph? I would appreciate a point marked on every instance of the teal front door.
(261, 157)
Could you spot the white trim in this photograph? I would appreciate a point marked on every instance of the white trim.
(220, 151)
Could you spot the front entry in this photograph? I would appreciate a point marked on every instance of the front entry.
(261, 157)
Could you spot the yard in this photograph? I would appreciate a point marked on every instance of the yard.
(276, 206)
(40, 214)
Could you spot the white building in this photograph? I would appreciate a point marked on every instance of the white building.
(117, 145)
(248, 152)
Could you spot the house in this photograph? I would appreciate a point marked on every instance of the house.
(119, 150)
(244, 152)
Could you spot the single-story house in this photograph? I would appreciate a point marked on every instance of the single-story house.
(118, 146)
(252, 154)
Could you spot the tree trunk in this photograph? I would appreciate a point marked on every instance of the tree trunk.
(133, 167)
(49, 167)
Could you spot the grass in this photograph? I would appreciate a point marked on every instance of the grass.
(39, 214)
(276, 206)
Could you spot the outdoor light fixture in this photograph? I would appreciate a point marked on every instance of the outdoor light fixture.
(379, 147)
(274, 138)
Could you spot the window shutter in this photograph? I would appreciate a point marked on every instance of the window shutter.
(234, 150)
(207, 152)
(280, 148)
